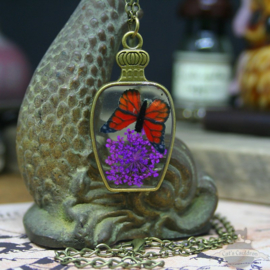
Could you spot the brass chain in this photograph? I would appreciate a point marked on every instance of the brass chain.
(133, 254)
(132, 9)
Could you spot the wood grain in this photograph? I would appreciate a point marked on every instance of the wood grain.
(13, 189)
(239, 164)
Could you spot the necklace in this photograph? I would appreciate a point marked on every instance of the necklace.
(132, 129)
(132, 122)
(134, 254)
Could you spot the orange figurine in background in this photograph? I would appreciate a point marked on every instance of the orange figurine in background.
(253, 23)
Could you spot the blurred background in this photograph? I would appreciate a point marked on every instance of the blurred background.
(33, 25)
(179, 35)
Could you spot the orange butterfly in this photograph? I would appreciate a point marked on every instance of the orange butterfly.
(150, 115)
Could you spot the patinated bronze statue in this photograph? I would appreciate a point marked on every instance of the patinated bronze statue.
(72, 205)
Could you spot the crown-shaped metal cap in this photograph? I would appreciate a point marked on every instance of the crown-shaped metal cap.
(132, 61)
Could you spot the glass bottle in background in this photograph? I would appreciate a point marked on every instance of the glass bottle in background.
(202, 64)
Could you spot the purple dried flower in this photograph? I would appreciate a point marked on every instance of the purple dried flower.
(132, 160)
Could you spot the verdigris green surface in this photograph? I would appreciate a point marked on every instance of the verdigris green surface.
(72, 206)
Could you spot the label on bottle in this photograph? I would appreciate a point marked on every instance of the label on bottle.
(201, 79)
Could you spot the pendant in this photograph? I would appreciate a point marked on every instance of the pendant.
(132, 126)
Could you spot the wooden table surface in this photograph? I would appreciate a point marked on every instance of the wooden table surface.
(13, 189)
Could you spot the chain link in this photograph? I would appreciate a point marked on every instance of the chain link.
(133, 254)
(132, 9)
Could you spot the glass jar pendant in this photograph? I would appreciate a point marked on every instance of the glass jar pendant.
(132, 126)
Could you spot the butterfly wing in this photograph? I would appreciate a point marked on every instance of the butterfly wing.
(128, 109)
(156, 115)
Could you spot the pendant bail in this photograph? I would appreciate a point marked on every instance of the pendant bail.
(132, 60)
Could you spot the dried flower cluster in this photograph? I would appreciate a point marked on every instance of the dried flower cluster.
(132, 160)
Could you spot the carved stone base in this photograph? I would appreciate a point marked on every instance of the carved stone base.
(182, 207)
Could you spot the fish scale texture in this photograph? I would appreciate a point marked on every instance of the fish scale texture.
(53, 140)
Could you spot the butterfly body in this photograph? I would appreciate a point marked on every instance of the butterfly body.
(149, 115)
(140, 117)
